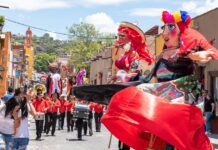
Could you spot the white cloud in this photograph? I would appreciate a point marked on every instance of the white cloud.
(199, 7)
(32, 5)
(53, 35)
(189, 6)
(148, 12)
(102, 22)
(106, 2)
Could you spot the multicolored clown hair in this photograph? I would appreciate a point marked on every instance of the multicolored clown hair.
(181, 18)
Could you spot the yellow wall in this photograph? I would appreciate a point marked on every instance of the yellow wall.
(159, 44)
(29, 59)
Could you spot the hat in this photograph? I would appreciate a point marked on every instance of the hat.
(63, 95)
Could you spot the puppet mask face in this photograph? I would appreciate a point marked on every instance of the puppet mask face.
(170, 35)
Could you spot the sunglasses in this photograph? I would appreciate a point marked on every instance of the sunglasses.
(170, 27)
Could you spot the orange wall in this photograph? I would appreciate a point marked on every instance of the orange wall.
(4, 62)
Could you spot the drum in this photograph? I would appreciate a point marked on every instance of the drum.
(81, 111)
(39, 116)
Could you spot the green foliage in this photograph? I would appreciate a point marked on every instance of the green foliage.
(86, 43)
(2, 20)
(41, 61)
(47, 44)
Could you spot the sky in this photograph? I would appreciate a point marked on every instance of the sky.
(57, 15)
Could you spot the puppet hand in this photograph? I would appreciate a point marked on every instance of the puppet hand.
(202, 56)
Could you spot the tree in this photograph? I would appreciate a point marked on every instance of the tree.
(47, 44)
(41, 61)
(85, 43)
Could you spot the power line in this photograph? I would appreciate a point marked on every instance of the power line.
(59, 33)
(4, 6)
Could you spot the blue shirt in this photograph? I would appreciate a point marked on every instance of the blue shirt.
(7, 97)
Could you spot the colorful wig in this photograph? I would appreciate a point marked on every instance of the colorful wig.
(181, 18)
(190, 39)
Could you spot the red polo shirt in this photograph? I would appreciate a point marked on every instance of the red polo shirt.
(49, 103)
(54, 106)
(69, 105)
(99, 108)
(40, 105)
(92, 105)
(62, 108)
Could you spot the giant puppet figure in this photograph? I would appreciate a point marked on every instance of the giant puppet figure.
(54, 79)
(133, 41)
(161, 115)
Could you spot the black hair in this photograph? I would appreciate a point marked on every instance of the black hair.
(15, 101)
(24, 108)
(17, 92)
(10, 89)
(10, 105)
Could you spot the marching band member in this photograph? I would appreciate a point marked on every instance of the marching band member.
(62, 112)
(40, 106)
(54, 106)
(91, 108)
(46, 98)
(70, 104)
(98, 108)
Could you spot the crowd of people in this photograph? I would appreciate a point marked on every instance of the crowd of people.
(47, 112)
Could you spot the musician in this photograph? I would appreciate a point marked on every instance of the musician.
(46, 98)
(70, 104)
(80, 122)
(54, 106)
(40, 106)
(98, 108)
(62, 112)
(91, 108)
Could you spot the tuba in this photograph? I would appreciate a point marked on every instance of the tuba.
(40, 87)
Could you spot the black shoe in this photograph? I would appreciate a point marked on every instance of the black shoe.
(59, 128)
(80, 139)
(52, 134)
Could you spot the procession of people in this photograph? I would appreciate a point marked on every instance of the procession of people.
(140, 113)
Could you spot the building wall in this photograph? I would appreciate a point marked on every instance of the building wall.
(18, 64)
(29, 59)
(4, 61)
(207, 25)
(102, 65)
(159, 44)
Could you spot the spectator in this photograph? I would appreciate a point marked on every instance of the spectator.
(9, 95)
(21, 138)
(208, 111)
(9, 121)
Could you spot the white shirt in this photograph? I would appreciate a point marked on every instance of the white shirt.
(23, 130)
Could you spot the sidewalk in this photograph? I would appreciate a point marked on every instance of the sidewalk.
(214, 140)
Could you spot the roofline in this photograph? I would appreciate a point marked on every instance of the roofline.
(205, 13)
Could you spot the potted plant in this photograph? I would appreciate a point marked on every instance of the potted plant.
(2, 22)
